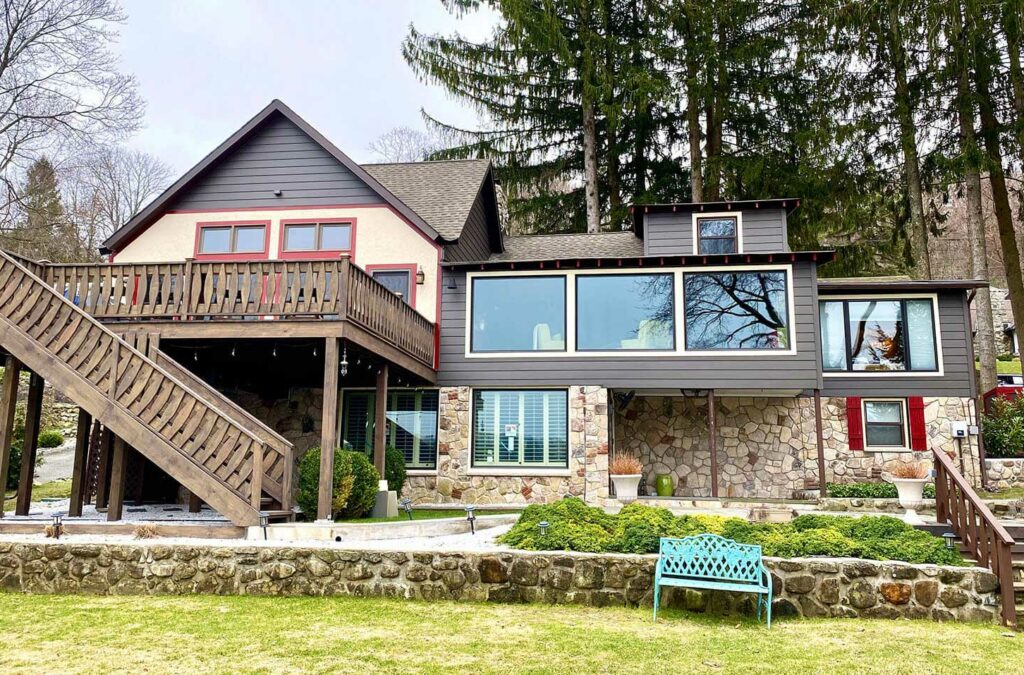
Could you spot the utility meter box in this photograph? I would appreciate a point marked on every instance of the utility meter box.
(958, 428)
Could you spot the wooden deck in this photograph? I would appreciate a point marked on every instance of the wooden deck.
(275, 299)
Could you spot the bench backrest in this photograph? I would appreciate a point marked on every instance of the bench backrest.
(709, 556)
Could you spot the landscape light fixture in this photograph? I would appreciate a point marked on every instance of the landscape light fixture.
(543, 525)
(344, 361)
(950, 540)
(471, 518)
(264, 522)
(406, 505)
(58, 525)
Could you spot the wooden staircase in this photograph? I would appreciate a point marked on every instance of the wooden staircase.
(200, 438)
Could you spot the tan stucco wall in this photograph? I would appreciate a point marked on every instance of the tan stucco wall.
(381, 237)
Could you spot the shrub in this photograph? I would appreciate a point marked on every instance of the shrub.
(394, 469)
(574, 526)
(1003, 430)
(365, 481)
(50, 438)
(871, 491)
(355, 484)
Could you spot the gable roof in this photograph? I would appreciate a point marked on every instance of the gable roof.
(441, 192)
(156, 208)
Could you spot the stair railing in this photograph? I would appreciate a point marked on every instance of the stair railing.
(987, 541)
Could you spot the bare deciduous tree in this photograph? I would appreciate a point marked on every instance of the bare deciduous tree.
(59, 84)
(404, 144)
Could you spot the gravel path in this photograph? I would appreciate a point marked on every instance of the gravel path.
(57, 463)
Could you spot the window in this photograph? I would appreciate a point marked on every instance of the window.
(878, 335)
(625, 311)
(736, 310)
(314, 237)
(412, 424)
(884, 424)
(520, 428)
(518, 314)
(247, 239)
(717, 235)
(396, 281)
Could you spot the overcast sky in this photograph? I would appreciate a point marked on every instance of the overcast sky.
(206, 66)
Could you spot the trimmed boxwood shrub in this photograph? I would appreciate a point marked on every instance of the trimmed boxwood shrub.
(574, 526)
(394, 469)
(878, 490)
(50, 438)
(355, 484)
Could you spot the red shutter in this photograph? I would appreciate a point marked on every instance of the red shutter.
(854, 423)
(918, 433)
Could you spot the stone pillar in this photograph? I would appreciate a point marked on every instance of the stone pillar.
(592, 411)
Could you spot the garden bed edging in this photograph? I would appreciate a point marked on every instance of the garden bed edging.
(812, 587)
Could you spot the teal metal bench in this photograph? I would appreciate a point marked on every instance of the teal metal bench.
(713, 563)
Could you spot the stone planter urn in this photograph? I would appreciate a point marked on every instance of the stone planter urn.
(626, 485)
(911, 496)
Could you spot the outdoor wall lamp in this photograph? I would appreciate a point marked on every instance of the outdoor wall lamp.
(406, 505)
(344, 361)
(421, 276)
(471, 518)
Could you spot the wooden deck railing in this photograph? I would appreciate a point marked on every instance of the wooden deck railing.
(226, 291)
(986, 540)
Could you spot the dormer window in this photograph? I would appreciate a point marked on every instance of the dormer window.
(717, 234)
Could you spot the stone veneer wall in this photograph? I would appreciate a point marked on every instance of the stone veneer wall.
(454, 482)
(814, 587)
(766, 446)
(297, 418)
(1004, 474)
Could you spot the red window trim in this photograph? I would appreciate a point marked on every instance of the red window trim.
(411, 268)
(227, 257)
(332, 254)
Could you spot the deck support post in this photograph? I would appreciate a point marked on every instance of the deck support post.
(195, 504)
(103, 470)
(118, 473)
(819, 432)
(380, 422)
(328, 429)
(30, 446)
(79, 469)
(8, 400)
(713, 442)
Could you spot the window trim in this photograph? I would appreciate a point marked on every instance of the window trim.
(636, 273)
(934, 297)
(524, 469)
(233, 225)
(316, 254)
(904, 417)
(680, 332)
(412, 471)
(398, 267)
(697, 216)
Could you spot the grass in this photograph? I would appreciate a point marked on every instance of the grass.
(57, 488)
(1009, 493)
(87, 634)
(1004, 367)
(431, 514)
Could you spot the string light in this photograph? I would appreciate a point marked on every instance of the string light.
(344, 361)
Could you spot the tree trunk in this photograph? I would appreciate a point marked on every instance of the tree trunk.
(693, 123)
(908, 144)
(1011, 28)
(590, 165)
(611, 123)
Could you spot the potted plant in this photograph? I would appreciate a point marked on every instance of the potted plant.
(625, 470)
(910, 479)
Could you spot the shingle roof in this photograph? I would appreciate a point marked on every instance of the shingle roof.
(441, 192)
(564, 246)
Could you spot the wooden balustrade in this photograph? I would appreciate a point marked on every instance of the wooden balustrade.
(986, 540)
(224, 291)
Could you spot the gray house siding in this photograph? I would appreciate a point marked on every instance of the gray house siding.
(277, 156)
(473, 243)
(958, 368)
(764, 231)
(790, 372)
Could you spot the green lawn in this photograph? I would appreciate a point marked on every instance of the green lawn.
(1009, 493)
(1004, 367)
(430, 514)
(83, 634)
(57, 488)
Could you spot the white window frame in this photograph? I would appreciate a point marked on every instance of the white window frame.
(679, 318)
(716, 215)
(904, 414)
(524, 469)
(411, 471)
(890, 373)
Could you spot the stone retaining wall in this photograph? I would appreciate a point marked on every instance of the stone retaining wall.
(1004, 474)
(814, 587)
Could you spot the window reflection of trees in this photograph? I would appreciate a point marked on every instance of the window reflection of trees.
(736, 310)
(877, 343)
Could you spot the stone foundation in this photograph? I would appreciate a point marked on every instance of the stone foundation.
(1004, 474)
(454, 481)
(297, 417)
(767, 447)
(817, 587)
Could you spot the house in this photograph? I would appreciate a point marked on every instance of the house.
(280, 296)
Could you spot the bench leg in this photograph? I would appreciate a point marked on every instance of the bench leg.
(657, 600)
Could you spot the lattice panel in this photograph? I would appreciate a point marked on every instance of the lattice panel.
(711, 557)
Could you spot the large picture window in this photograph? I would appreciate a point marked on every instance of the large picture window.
(625, 311)
(520, 428)
(878, 335)
(736, 310)
(518, 314)
(412, 424)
